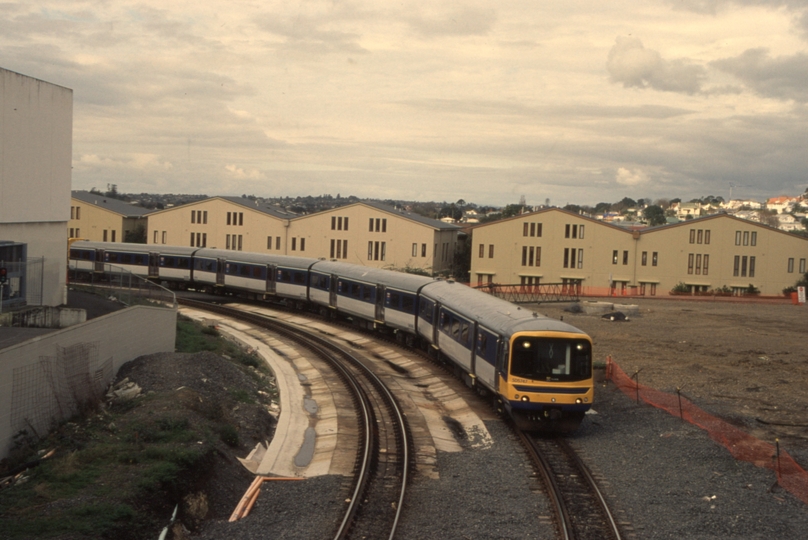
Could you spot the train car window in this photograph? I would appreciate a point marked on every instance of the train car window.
(393, 300)
(165, 261)
(455, 329)
(551, 359)
(257, 272)
(112, 257)
(408, 303)
(183, 262)
(244, 270)
(426, 310)
(369, 293)
(445, 322)
(356, 290)
(284, 276)
(464, 333)
(300, 278)
(227, 268)
(126, 258)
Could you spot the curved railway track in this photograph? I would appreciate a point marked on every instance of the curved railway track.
(580, 508)
(383, 457)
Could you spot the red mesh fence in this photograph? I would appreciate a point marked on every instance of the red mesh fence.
(741, 445)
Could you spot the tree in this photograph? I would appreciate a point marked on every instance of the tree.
(462, 259)
(655, 215)
(136, 235)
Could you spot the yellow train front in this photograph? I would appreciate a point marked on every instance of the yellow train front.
(547, 384)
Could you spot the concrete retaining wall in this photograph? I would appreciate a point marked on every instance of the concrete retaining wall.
(46, 379)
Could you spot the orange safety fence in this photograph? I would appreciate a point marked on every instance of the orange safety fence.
(742, 446)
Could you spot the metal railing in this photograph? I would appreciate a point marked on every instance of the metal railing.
(123, 285)
(533, 294)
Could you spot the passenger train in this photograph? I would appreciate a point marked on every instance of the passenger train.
(538, 369)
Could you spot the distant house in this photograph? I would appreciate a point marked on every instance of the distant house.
(98, 218)
(782, 205)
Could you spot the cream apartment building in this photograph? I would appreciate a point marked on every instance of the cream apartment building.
(98, 218)
(371, 234)
(362, 233)
(556, 246)
(233, 223)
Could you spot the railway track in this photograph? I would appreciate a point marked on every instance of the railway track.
(580, 508)
(382, 465)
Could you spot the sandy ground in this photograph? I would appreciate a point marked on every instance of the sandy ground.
(744, 362)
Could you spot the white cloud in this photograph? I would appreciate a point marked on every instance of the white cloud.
(630, 177)
(238, 173)
(632, 64)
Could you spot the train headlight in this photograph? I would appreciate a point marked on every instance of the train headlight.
(526, 344)
(552, 399)
(579, 401)
(525, 398)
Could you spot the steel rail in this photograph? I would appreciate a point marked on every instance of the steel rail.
(328, 349)
(593, 485)
(563, 520)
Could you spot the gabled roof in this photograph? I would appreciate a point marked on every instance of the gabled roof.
(122, 208)
(702, 220)
(263, 207)
(559, 210)
(433, 223)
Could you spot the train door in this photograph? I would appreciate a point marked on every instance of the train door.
(436, 318)
(502, 358)
(380, 303)
(220, 268)
(99, 260)
(271, 274)
(154, 265)
(332, 291)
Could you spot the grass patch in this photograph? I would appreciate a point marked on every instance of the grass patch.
(194, 337)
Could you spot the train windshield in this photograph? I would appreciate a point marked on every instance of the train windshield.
(545, 359)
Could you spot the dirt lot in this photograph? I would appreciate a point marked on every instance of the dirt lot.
(744, 362)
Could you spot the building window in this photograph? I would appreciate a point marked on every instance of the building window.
(384, 227)
(193, 217)
(490, 251)
(706, 264)
(614, 257)
(538, 229)
(746, 238)
(524, 226)
(653, 289)
(204, 239)
(567, 230)
(581, 232)
(654, 259)
(707, 236)
(692, 236)
(78, 212)
(269, 242)
(155, 237)
(105, 239)
(339, 223)
(370, 228)
(698, 264)
(751, 267)
(690, 263)
(415, 249)
(580, 257)
(205, 217)
(423, 250)
(524, 255)
(699, 236)
(482, 251)
(566, 257)
(72, 212)
(228, 219)
(802, 263)
(625, 257)
(333, 225)
(193, 239)
(294, 244)
(754, 238)
(227, 240)
(737, 238)
(644, 258)
(113, 235)
(743, 266)
(736, 266)
(78, 233)
(277, 243)
(538, 255)
(790, 265)
(370, 250)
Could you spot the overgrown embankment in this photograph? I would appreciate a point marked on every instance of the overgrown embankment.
(119, 470)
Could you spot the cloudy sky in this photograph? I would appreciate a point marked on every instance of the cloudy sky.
(575, 101)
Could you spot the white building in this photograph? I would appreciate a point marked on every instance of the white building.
(36, 126)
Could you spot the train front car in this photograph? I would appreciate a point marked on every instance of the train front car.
(547, 383)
